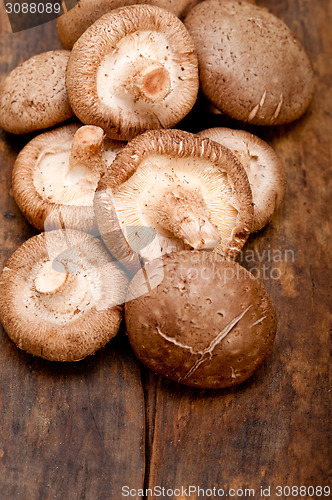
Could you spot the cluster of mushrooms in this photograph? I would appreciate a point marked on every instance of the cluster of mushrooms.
(137, 217)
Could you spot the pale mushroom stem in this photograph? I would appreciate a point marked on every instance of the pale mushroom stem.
(88, 148)
(150, 81)
(185, 214)
(50, 281)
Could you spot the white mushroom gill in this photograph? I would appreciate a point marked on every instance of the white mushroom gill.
(187, 201)
(68, 173)
(252, 160)
(61, 291)
(261, 165)
(60, 295)
(138, 75)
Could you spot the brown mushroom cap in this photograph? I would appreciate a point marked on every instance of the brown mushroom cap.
(53, 181)
(73, 23)
(266, 173)
(33, 96)
(191, 192)
(251, 65)
(134, 69)
(209, 323)
(60, 296)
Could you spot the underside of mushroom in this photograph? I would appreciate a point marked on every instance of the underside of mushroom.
(56, 174)
(170, 190)
(61, 296)
(266, 173)
(72, 25)
(134, 69)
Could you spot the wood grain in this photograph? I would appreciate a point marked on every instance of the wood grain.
(272, 430)
(77, 430)
(68, 431)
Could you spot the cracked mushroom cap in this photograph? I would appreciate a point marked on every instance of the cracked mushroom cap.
(73, 23)
(191, 193)
(251, 65)
(134, 69)
(208, 324)
(33, 96)
(265, 171)
(60, 296)
(56, 174)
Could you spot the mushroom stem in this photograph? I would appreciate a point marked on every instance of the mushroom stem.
(185, 214)
(151, 80)
(49, 280)
(87, 149)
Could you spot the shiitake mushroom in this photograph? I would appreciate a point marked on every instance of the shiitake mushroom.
(191, 192)
(264, 168)
(252, 67)
(207, 322)
(199, 319)
(33, 95)
(133, 70)
(61, 296)
(73, 23)
(56, 174)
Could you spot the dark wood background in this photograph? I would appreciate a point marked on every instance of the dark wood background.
(82, 431)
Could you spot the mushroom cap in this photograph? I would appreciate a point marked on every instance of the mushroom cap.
(251, 65)
(106, 70)
(46, 195)
(73, 23)
(33, 96)
(163, 161)
(60, 296)
(208, 323)
(265, 170)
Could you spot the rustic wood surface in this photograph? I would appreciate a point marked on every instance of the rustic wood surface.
(68, 431)
(83, 430)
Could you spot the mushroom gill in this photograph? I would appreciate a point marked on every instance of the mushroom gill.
(73, 180)
(266, 173)
(191, 193)
(133, 70)
(184, 200)
(56, 174)
(75, 21)
(139, 72)
(61, 295)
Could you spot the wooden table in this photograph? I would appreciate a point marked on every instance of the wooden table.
(82, 431)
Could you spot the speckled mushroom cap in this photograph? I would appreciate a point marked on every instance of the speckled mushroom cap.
(192, 193)
(266, 173)
(33, 96)
(73, 23)
(54, 182)
(134, 69)
(251, 65)
(60, 296)
(208, 323)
